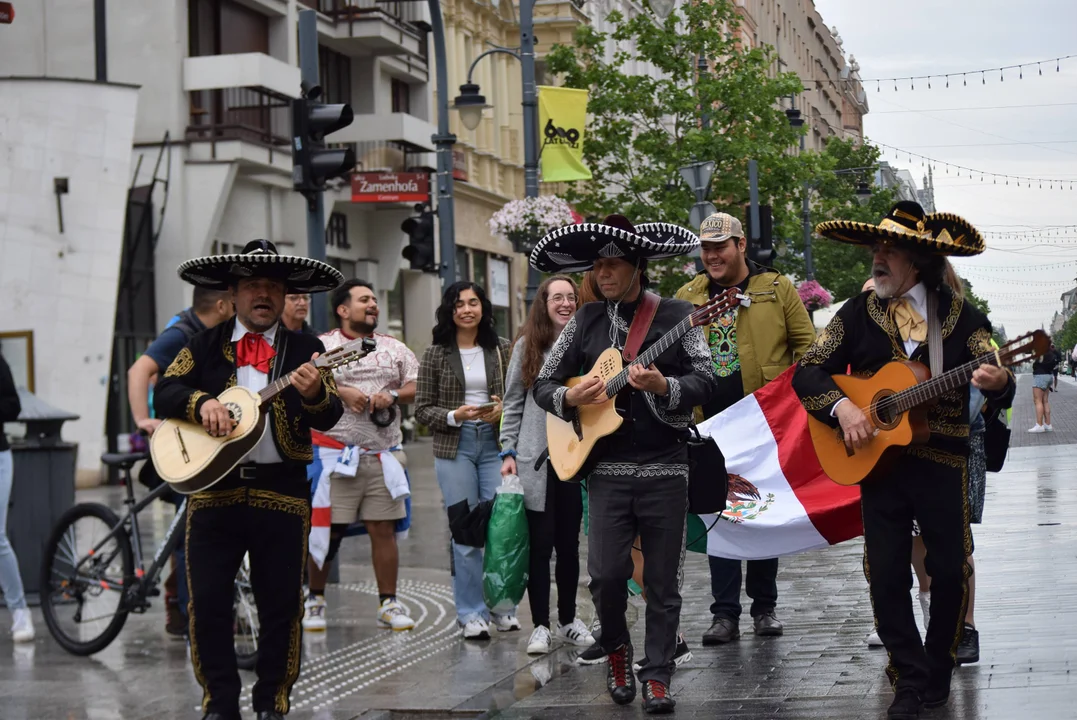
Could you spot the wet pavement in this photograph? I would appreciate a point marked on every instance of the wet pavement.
(821, 668)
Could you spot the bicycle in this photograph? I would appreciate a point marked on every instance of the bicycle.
(96, 568)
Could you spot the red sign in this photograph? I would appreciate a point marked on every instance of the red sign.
(371, 187)
(459, 165)
(7, 13)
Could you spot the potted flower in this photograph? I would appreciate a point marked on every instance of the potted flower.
(813, 295)
(524, 222)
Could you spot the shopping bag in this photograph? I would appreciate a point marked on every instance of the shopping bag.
(508, 547)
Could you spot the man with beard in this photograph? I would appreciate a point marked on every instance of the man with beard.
(926, 482)
(261, 508)
(360, 460)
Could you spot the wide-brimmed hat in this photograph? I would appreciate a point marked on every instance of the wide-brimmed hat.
(575, 248)
(260, 258)
(907, 224)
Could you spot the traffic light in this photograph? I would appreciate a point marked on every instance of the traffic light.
(420, 249)
(312, 162)
(760, 251)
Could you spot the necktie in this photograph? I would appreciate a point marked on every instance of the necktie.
(909, 322)
(252, 349)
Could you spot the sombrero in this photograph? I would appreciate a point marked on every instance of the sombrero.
(259, 258)
(907, 224)
(575, 248)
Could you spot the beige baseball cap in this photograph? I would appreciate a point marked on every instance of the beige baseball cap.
(720, 227)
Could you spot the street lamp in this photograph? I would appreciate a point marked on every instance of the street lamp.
(470, 104)
(863, 193)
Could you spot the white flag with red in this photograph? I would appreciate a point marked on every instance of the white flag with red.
(780, 501)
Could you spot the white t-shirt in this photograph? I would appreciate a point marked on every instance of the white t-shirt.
(476, 390)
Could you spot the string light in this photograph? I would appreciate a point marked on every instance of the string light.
(964, 75)
(995, 176)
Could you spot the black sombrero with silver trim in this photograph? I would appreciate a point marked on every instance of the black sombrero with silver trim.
(907, 224)
(259, 258)
(575, 248)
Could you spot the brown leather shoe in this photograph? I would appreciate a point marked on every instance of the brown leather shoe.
(767, 625)
(722, 631)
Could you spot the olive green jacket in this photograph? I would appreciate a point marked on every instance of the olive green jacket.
(773, 332)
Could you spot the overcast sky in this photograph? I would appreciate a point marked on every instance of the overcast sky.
(968, 125)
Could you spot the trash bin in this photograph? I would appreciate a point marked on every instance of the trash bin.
(43, 487)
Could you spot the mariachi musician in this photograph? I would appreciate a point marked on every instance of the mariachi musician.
(262, 507)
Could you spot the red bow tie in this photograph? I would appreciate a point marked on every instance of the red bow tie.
(252, 349)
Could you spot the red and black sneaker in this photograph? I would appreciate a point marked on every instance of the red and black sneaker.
(656, 699)
(620, 681)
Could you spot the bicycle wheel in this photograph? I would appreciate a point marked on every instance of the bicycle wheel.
(245, 619)
(82, 590)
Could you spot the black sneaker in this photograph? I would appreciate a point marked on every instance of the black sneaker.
(968, 650)
(656, 699)
(680, 656)
(906, 705)
(592, 655)
(620, 682)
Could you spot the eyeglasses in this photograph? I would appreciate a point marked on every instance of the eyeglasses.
(559, 298)
(299, 298)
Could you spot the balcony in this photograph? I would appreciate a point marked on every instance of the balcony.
(399, 128)
(241, 70)
(556, 22)
(249, 125)
(364, 28)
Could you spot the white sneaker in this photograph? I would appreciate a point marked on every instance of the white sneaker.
(1037, 429)
(925, 608)
(22, 627)
(874, 640)
(506, 623)
(392, 615)
(576, 633)
(476, 629)
(314, 613)
(1049, 428)
(540, 642)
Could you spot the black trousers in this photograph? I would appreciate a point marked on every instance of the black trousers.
(761, 584)
(655, 509)
(268, 518)
(930, 486)
(555, 528)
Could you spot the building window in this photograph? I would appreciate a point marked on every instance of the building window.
(336, 233)
(335, 75)
(396, 300)
(478, 269)
(401, 92)
(225, 27)
(463, 264)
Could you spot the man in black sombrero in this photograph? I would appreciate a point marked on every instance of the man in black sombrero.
(637, 484)
(262, 507)
(927, 482)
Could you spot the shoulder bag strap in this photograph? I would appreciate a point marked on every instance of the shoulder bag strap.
(641, 323)
(934, 334)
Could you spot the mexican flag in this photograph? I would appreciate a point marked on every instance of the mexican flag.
(780, 501)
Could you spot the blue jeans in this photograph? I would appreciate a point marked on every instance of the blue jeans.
(10, 581)
(473, 475)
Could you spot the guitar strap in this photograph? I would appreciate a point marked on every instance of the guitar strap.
(641, 323)
(934, 334)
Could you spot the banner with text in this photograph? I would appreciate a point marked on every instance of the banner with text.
(562, 119)
(372, 187)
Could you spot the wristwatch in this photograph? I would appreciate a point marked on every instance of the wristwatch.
(395, 396)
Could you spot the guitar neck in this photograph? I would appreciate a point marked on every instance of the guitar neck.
(618, 382)
(273, 389)
(950, 380)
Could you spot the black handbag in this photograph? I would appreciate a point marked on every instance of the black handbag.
(708, 481)
(996, 442)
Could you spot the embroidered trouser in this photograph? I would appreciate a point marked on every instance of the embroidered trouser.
(626, 501)
(267, 518)
(930, 486)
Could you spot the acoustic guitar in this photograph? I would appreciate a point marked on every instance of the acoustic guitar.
(190, 459)
(570, 443)
(895, 400)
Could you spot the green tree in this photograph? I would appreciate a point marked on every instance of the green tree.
(1066, 338)
(641, 130)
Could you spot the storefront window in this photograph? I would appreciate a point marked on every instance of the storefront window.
(463, 266)
(478, 263)
(395, 325)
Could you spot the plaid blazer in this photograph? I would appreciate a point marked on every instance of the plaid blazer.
(440, 388)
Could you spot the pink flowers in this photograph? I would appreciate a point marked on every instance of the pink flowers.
(813, 295)
(531, 215)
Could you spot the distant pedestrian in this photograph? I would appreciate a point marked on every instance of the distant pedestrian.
(458, 396)
(22, 626)
(1043, 375)
(296, 310)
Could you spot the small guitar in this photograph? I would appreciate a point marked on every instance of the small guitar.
(571, 442)
(895, 400)
(190, 459)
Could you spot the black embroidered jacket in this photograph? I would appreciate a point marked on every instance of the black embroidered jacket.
(207, 366)
(653, 431)
(862, 337)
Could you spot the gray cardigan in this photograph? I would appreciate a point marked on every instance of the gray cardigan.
(523, 429)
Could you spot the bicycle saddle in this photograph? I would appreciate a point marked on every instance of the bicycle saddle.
(124, 461)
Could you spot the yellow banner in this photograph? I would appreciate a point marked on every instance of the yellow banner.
(562, 118)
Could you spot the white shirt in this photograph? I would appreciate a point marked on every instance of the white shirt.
(476, 391)
(265, 452)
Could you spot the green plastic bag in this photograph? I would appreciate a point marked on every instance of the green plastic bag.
(508, 546)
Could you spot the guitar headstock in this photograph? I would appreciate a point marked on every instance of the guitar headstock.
(706, 313)
(1027, 347)
(346, 354)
